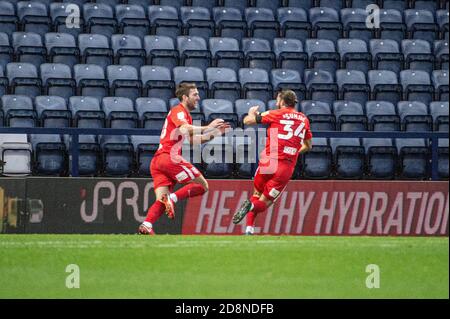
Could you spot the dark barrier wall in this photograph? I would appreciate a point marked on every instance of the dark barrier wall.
(395, 208)
(89, 205)
(95, 205)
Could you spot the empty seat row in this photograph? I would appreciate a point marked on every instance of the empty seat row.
(344, 158)
(250, 52)
(319, 22)
(158, 81)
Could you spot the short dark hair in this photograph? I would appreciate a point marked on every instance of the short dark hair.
(184, 89)
(288, 97)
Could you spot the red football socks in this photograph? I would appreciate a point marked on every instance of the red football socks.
(155, 211)
(250, 221)
(190, 190)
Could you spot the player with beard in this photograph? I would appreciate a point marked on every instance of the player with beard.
(289, 135)
(168, 167)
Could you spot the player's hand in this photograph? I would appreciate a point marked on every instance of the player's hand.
(253, 110)
(216, 123)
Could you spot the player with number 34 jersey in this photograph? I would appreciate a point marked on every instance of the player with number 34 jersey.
(288, 136)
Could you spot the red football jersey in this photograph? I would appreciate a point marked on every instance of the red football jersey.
(287, 130)
(171, 138)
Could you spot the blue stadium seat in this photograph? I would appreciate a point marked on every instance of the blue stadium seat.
(86, 112)
(229, 23)
(354, 55)
(23, 79)
(386, 55)
(194, 52)
(161, 51)
(421, 25)
(440, 83)
(399, 5)
(322, 55)
(99, 19)
(197, 22)
(325, 23)
(294, 23)
(50, 156)
(414, 116)
(261, 23)
(218, 162)
(57, 80)
(441, 53)
(417, 86)
(321, 86)
(149, 110)
(349, 157)
(382, 116)
(238, 4)
(305, 4)
(95, 49)
(245, 158)
(381, 158)
(33, 17)
(223, 84)
(209, 4)
(413, 157)
(119, 112)
(132, 20)
(255, 84)
(443, 159)
(28, 48)
(8, 19)
(391, 25)
(333, 4)
(3, 87)
(145, 149)
(6, 50)
(317, 163)
(18, 111)
(124, 81)
(385, 86)
(89, 155)
(52, 111)
(442, 21)
(258, 53)
(128, 50)
(118, 155)
(290, 55)
(354, 24)
(440, 112)
(157, 82)
(418, 55)
(177, 4)
(226, 53)
(287, 79)
(319, 114)
(91, 80)
(164, 21)
(350, 116)
(62, 48)
(353, 86)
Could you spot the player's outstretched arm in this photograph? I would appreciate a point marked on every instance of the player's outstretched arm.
(209, 134)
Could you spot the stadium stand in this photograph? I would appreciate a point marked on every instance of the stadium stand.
(119, 66)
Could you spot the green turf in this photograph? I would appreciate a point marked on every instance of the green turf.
(131, 266)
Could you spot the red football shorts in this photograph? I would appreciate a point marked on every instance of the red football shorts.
(271, 183)
(168, 172)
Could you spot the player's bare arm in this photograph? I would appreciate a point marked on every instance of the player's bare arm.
(203, 134)
(306, 147)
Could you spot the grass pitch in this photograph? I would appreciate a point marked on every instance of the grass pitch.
(131, 266)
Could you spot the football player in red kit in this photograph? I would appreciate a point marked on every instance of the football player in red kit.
(168, 167)
(289, 135)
